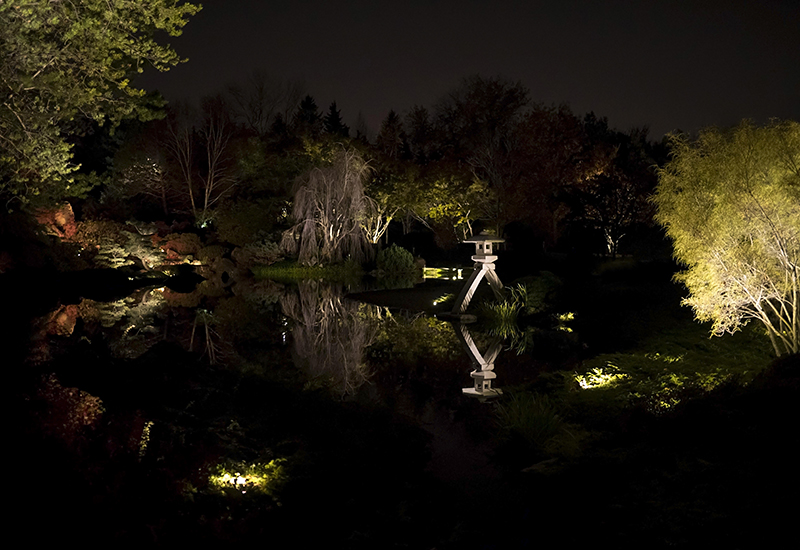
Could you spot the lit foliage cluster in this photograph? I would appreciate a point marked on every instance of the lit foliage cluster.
(661, 380)
(730, 202)
(453, 201)
(530, 296)
(396, 267)
(413, 341)
(256, 478)
(66, 62)
(599, 377)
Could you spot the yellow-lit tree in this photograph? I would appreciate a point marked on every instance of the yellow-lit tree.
(730, 202)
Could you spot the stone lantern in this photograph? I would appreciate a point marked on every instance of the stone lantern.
(484, 267)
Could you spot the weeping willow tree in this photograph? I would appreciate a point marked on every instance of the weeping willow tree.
(730, 201)
(329, 205)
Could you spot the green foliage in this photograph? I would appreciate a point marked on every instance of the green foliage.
(348, 270)
(244, 222)
(259, 253)
(504, 314)
(453, 201)
(730, 202)
(671, 365)
(254, 478)
(66, 61)
(411, 341)
(529, 296)
(396, 259)
(537, 293)
(396, 267)
(535, 420)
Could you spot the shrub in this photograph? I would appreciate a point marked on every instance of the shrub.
(395, 259)
(258, 253)
(396, 268)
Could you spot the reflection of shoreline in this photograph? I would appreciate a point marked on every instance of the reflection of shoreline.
(420, 298)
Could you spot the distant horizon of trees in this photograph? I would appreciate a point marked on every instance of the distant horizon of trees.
(482, 157)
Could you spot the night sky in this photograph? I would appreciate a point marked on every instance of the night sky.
(666, 64)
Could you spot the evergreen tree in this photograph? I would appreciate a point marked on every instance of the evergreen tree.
(391, 140)
(308, 120)
(333, 123)
(421, 134)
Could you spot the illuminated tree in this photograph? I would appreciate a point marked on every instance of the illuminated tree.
(64, 62)
(730, 201)
(328, 206)
(179, 141)
(218, 177)
(209, 176)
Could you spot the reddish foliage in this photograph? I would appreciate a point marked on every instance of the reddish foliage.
(58, 221)
(181, 243)
(62, 321)
(6, 261)
(69, 411)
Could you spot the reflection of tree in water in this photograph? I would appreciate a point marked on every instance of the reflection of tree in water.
(330, 334)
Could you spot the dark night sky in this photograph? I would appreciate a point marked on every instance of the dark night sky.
(666, 64)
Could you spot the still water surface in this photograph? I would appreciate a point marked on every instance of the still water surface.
(271, 393)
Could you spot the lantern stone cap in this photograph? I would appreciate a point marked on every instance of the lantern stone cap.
(484, 237)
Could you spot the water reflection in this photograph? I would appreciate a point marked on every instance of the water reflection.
(198, 390)
(483, 374)
(330, 334)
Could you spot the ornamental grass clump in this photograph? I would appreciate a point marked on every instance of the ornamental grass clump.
(533, 420)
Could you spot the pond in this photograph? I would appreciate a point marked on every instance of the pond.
(232, 409)
(258, 411)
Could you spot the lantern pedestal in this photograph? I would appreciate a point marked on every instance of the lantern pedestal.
(484, 267)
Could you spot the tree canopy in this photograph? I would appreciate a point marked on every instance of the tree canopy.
(65, 63)
(730, 201)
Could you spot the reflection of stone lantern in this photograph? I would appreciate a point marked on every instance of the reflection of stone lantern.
(483, 384)
(484, 267)
(484, 373)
